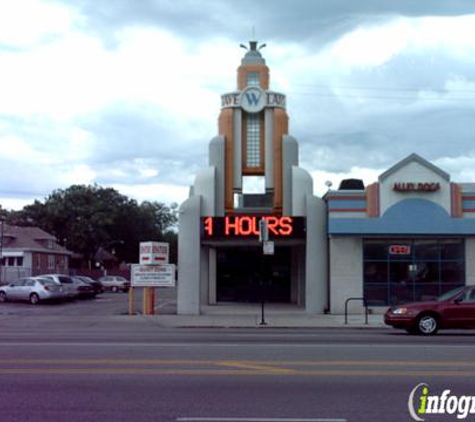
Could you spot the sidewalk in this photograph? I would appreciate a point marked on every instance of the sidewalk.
(276, 316)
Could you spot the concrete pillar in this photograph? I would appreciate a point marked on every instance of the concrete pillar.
(212, 276)
(216, 160)
(316, 272)
(189, 257)
(290, 158)
(470, 261)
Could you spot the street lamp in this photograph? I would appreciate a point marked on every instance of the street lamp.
(2, 222)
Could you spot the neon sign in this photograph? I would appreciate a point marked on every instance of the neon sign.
(247, 226)
(400, 249)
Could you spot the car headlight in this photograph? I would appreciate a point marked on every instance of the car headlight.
(400, 311)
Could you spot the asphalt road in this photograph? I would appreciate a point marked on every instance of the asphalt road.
(86, 361)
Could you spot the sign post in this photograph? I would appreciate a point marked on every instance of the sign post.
(153, 271)
(264, 239)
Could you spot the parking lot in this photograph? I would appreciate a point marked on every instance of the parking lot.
(104, 304)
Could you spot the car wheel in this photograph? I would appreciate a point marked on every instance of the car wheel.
(115, 289)
(3, 297)
(34, 299)
(427, 325)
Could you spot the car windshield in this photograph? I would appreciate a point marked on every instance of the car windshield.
(449, 294)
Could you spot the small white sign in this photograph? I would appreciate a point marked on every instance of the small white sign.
(154, 253)
(268, 248)
(153, 275)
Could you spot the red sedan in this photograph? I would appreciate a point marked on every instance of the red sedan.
(454, 309)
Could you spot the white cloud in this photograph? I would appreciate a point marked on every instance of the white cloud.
(26, 22)
(376, 45)
(320, 178)
(160, 192)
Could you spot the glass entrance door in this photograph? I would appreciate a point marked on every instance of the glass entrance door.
(244, 274)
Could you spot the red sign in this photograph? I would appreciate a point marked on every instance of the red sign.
(247, 226)
(400, 249)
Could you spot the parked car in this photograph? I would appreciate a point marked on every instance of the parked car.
(96, 285)
(454, 309)
(74, 288)
(115, 283)
(32, 289)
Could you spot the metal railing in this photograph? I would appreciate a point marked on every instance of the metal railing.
(365, 304)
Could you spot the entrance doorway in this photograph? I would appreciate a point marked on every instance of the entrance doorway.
(244, 274)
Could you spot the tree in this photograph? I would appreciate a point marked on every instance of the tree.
(86, 218)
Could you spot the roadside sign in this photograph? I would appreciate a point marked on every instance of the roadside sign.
(161, 275)
(268, 248)
(154, 253)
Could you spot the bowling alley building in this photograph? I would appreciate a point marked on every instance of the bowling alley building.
(408, 236)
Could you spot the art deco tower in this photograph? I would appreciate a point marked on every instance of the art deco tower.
(253, 121)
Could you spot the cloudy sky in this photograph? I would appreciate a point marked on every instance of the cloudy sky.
(126, 93)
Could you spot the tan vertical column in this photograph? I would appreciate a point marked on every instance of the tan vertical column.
(226, 130)
(237, 121)
(280, 129)
(269, 148)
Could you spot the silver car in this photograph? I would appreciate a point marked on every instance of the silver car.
(32, 289)
(115, 283)
(73, 288)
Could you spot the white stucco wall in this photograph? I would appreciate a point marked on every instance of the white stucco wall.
(414, 172)
(205, 188)
(346, 273)
(470, 261)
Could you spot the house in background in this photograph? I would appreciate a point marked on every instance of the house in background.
(30, 251)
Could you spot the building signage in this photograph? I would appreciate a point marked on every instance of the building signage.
(154, 253)
(247, 227)
(399, 249)
(162, 275)
(253, 99)
(416, 187)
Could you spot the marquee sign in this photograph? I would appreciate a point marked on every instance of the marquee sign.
(247, 227)
(416, 187)
(253, 99)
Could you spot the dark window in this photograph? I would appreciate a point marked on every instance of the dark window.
(405, 270)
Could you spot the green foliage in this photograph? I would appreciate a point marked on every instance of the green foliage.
(86, 218)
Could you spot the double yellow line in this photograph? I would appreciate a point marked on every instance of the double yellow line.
(237, 367)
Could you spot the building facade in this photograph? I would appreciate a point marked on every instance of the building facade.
(220, 256)
(408, 237)
(29, 251)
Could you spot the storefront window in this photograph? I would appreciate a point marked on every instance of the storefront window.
(404, 270)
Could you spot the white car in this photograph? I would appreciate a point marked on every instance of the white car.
(115, 283)
(32, 289)
(74, 288)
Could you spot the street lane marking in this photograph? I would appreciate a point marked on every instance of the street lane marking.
(235, 419)
(267, 367)
(358, 368)
(210, 372)
(419, 346)
(270, 365)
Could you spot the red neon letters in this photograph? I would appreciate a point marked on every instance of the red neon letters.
(244, 226)
(400, 249)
